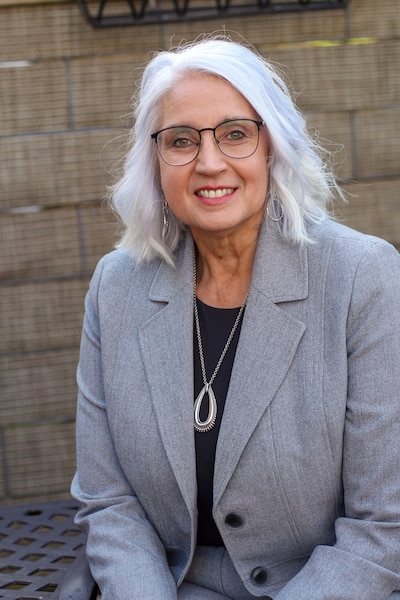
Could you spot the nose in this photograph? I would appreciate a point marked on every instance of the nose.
(210, 157)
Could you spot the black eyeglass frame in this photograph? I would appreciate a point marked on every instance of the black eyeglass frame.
(154, 136)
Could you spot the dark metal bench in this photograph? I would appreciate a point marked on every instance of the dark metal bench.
(42, 553)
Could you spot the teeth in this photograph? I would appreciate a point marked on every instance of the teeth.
(215, 193)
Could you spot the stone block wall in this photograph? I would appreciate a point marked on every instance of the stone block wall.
(65, 94)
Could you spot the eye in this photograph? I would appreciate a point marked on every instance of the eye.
(235, 135)
(233, 132)
(181, 139)
(182, 142)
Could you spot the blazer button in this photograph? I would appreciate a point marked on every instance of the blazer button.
(259, 575)
(234, 520)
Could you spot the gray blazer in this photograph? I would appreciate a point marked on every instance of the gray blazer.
(309, 448)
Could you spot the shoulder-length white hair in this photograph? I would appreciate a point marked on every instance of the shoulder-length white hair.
(297, 174)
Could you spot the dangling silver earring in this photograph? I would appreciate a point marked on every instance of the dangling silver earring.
(165, 211)
(275, 209)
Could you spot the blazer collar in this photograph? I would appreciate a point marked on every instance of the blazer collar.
(280, 270)
(172, 280)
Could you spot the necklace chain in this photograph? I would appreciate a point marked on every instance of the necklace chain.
(209, 423)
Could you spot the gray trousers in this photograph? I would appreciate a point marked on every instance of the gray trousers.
(212, 576)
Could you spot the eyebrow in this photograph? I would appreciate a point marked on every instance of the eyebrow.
(226, 120)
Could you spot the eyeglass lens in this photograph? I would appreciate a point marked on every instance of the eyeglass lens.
(181, 145)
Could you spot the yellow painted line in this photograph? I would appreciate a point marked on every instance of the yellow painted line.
(359, 41)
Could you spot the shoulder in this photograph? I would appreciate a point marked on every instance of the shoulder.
(352, 263)
(117, 274)
(119, 268)
(329, 230)
(345, 245)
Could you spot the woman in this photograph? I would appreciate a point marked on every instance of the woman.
(238, 419)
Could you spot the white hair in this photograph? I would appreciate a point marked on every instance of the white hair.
(298, 175)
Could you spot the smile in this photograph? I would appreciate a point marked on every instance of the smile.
(215, 193)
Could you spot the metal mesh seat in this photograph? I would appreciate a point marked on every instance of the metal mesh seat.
(39, 546)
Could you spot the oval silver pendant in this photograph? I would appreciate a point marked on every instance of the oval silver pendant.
(209, 423)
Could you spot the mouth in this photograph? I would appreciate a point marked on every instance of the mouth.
(215, 193)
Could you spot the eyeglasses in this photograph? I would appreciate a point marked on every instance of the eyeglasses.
(180, 145)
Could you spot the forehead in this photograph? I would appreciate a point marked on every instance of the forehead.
(201, 100)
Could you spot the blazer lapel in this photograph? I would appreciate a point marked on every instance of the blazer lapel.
(268, 341)
(166, 342)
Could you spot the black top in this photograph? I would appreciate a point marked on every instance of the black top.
(215, 327)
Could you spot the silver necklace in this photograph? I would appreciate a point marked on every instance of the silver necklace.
(206, 390)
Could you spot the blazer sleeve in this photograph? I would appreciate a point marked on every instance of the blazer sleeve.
(365, 560)
(126, 556)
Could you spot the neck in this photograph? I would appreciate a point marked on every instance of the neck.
(224, 269)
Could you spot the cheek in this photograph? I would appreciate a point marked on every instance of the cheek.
(262, 174)
(172, 193)
(167, 176)
(259, 177)
(169, 189)
(174, 182)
